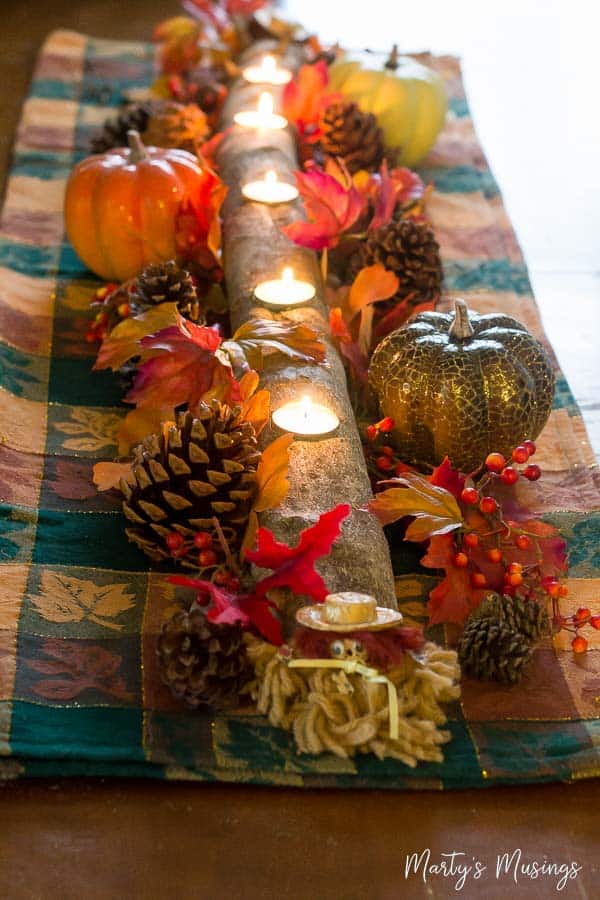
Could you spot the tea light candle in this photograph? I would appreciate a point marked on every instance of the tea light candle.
(261, 117)
(284, 291)
(306, 418)
(270, 190)
(267, 73)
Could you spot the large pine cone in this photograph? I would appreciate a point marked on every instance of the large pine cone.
(410, 250)
(166, 283)
(178, 125)
(201, 662)
(491, 650)
(200, 468)
(353, 135)
(114, 131)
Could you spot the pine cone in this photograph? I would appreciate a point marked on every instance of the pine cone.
(166, 283)
(353, 135)
(525, 616)
(172, 124)
(114, 131)
(200, 468)
(491, 650)
(410, 250)
(202, 662)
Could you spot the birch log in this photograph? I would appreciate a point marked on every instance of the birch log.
(326, 472)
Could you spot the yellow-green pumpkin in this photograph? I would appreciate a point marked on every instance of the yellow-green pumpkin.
(408, 99)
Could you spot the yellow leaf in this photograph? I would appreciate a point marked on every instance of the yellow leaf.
(271, 474)
(257, 409)
(249, 384)
(64, 598)
(123, 341)
(107, 475)
(249, 541)
(139, 423)
(434, 508)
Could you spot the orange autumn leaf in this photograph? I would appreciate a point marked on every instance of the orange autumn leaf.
(372, 283)
(434, 509)
(123, 342)
(107, 475)
(304, 96)
(271, 474)
(256, 405)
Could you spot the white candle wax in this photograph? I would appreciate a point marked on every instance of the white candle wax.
(261, 117)
(284, 291)
(267, 73)
(270, 190)
(306, 418)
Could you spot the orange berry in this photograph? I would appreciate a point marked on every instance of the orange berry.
(384, 463)
(469, 495)
(532, 472)
(582, 614)
(530, 447)
(579, 644)
(203, 540)
(563, 590)
(494, 554)
(478, 580)
(514, 579)
(174, 540)
(488, 505)
(509, 475)
(595, 622)
(520, 454)
(471, 539)
(461, 560)
(515, 568)
(207, 558)
(495, 462)
(523, 542)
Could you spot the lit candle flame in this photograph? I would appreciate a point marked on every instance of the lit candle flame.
(305, 408)
(265, 104)
(271, 176)
(269, 65)
(287, 275)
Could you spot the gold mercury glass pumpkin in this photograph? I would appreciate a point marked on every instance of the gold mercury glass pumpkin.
(462, 385)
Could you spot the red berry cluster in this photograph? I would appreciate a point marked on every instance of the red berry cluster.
(488, 538)
(574, 623)
(207, 558)
(382, 459)
(105, 299)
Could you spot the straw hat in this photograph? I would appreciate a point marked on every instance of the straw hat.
(348, 611)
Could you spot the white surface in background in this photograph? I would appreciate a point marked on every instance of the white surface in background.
(531, 72)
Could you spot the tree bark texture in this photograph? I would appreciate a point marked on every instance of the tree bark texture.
(326, 472)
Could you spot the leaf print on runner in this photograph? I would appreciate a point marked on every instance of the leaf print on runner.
(63, 598)
(13, 374)
(91, 430)
(82, 667)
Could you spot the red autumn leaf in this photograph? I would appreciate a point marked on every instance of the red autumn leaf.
(447, 477)
(227, 608)
(185, 369)
(385, 198)
(306, 94)
(407, 185)
(332, 204)
(399, 314)
(293, 567)
(347, 345)
(454, 597)
(198, 224)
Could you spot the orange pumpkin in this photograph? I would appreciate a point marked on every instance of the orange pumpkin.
(121, 206)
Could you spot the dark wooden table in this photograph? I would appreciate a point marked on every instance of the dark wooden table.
(139, 839)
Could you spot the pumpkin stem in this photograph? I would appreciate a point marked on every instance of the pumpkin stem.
(138, 151)
(393, 60)
(461, 327)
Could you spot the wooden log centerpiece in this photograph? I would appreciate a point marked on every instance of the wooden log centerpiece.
(329, 470)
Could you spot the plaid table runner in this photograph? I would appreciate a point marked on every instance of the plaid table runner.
(79, 610)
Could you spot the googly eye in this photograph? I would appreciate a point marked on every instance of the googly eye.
(336, 648)
(358, 648)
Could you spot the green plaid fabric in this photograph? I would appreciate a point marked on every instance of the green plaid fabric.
(79, 610)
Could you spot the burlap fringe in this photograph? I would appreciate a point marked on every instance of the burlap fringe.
(331, 711)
